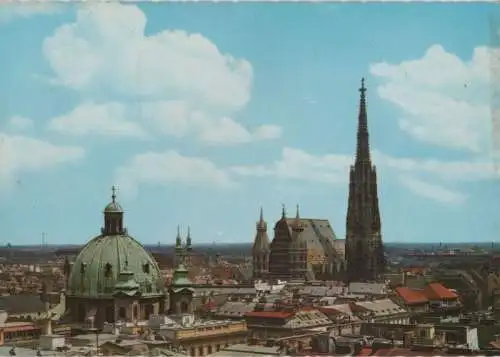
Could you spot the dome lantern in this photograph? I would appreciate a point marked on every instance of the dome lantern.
(113, 217)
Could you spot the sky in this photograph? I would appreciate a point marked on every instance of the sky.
(201, 113)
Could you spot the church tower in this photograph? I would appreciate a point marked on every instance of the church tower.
(364, 248)
(260, 250)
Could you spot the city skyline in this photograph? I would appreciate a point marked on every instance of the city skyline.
(203, 113)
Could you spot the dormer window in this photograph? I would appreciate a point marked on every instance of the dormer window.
(145, 268)
(108, 270)
(83, 268)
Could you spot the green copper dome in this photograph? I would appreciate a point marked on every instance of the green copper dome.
(111, 264)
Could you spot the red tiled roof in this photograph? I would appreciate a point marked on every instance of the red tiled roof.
(269, 314)
(329, 311)
(437, 291)
(411, 296)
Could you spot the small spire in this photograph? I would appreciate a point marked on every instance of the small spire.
(362, 89)
(362, 145)
(189, 232)
(178, 239)
(113, 195)
(297, 216)
(261, 214)
(283, 211)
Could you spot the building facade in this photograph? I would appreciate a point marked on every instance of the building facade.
(324, 252)
(364, 248)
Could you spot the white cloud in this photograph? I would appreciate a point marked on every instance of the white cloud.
(458, 170)
(170, 167)
(445, 101)
(98, 119)
(23, 154)
(299, 165)
(334, 169)
(434, 192)
(9, 12)
(187, 84)
(19, 123)
(178, 119)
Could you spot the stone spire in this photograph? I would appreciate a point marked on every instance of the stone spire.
(261, 249)
(364, 249)
(261, 241)
(363, 141)
(297, 223)
(178, 239)
(189, 246)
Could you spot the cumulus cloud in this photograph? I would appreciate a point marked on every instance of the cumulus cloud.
(177, 118)
(9, 12)
(23, 154)
(333, 169)
(431, 191)
(19, 123)
(170, 167)
(108, 119)
(106, 51)
(299, 165)
(444, 101)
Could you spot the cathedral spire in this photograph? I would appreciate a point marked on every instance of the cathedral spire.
(362, 145)
(283, 211)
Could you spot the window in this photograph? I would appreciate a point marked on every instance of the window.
(83, 268)
(145, 268)
(108, 270)
(122, 313)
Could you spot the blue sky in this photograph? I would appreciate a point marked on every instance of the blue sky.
(201, 113)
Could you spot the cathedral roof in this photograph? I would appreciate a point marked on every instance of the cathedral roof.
(100, 266)
(319, 235)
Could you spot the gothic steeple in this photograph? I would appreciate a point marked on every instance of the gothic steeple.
(178, 239)
(189, 246)
(113, 217)
(297, 224)
(363, 140)
(261, 249)
(364, 250)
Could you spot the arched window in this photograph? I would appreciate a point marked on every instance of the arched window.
(184, 307)
(122, 313)
(83, 268)
(110, 314)
(145, 268)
